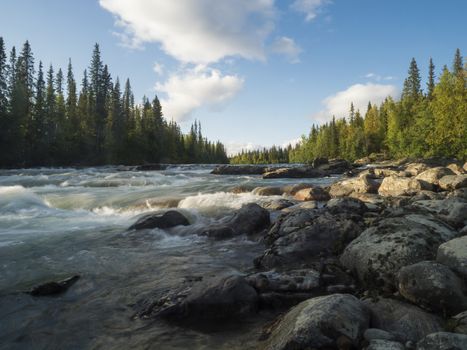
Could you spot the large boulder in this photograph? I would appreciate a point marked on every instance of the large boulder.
(166, 220)
(459, 323)
(315, 193)
(432, 286)
(302, 236)
(456, 168)
(267, 191)
(432, 175)
(401, 186)
(443, 341)
(364, 183)
(336, 166)
(320, 323)
(293, 172)
(453, 254)
(291, 190)
(416, 168)
(405, 321)
(346, 205)
(277, 204)
(215, 299)
(239, 170)
(453, 182)
(450, 210)
(404, 238)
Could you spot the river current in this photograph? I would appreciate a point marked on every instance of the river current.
(59, 222)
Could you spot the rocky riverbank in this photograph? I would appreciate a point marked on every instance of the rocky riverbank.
(374, 261)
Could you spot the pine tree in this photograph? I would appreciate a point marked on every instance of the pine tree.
(38, 128)
(412, 87)
(431, 80)
(457, 66)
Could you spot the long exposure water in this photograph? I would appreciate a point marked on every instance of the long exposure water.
(59, 222)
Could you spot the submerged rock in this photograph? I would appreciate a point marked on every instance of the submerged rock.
(54, 288)
(405, 321)
(320, 323)
(443, 341)
(433, 286)
(168, 219)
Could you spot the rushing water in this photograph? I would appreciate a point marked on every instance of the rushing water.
(59, 222)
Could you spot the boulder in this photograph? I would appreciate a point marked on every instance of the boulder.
(320, 323)
(54, 288)
(292, 189)
(166, 220)
(293, 172)
(432, 175)
(379, 344)
(416, 168)
(385, 172)
(346, 205)
(312, 194)
(335, 166)
(456, 168)
(453, 254)
(401, 186)
(249, 219)
(404, 238)
(303, 280)
(239, 170)
(277, 204)
(453, 182)
(443, 341)
(319, 161)
(405, 321)
(432, 286)
(267, 191)
(377, 334)
(450, 210)
(364, 183)
(215, 299)
(303, 205)
(302, 236)
(459, 323)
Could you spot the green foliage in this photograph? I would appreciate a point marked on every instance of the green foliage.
(44, 123)
(273, 155)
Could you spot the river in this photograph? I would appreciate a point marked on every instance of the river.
(57, 222)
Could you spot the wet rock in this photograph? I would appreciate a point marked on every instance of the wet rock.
(267, 191)
(168, 219)
(242, 189)
(432, 286)
(401, 186)
(453, 182)
(379, 344)
(239, 170)
(377, 334)
(278, 204)
(302, 236)
(54, 288)
(433, 175)
(304, 280)
(443, 341)
(364, 183)
(320, 323)
(293, 172)
(454, 255)
(458, 323)
(315, 193)
(405, 238)
(214, 299)
(217, 232)
(303, 205)
(405, 321)
(450, 210)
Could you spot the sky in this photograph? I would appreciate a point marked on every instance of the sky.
(253, 72)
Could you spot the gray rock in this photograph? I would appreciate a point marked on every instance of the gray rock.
(267, 191)
(432, 175)
(239, 170)
(453, 182)
(315, 193)
(320, 323)
(405, 321)
(458, 323)
(375, 333)
(293, 172)
(401, 186)
(451, 210)
(303, 205)
(443, 341)
(277, 204)
(293, 281)
(378, 254)
(454, 255)
(416, 168)
(346, 205)
(433, 286)
(379, 344)
(54, 288)
(168, 219)
(365, 183)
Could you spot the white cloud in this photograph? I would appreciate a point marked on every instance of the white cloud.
(287, 47)
(196, 31)
(359, 94)
(292, 142)
(192, 88)
(158, 68)
(310, 8)
(234, 148)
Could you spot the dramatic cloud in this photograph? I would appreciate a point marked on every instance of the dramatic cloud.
(196, 31)
(191, 89)
(359, 94)
(310, 8)
(287, 47)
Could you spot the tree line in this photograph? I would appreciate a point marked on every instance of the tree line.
(46, 121)
(272, 155)
(430, 122)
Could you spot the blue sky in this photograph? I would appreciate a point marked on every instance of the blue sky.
(254, 72)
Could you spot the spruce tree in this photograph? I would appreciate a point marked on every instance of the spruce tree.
(457, 65)
(431, 80)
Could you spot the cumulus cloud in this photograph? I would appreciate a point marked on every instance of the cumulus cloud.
(158, 68)
(233, 148)
(196, 31)
(292, 142)
(287, 47)
(310, 8)
(192, 88)
(359, 94)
